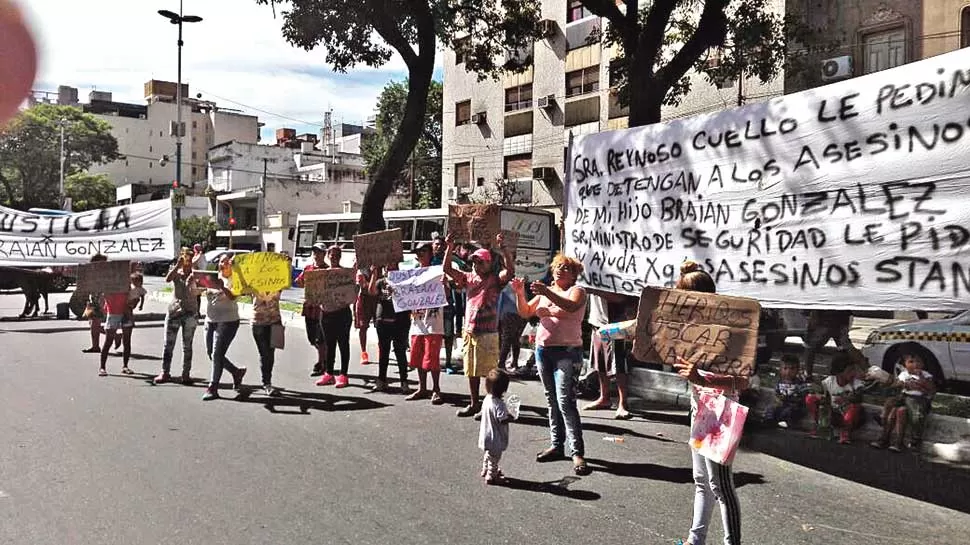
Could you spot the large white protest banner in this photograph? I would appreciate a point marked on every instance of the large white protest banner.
(136, 232)
(853, 195)
(417, 289)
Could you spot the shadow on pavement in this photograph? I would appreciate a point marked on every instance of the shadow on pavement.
(290, 402)
(588, 425)
(906, 474)
(556, 488)
(655, 472)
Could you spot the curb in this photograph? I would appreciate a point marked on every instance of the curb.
(946, 438)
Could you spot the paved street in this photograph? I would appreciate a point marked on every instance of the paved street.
(88, 460)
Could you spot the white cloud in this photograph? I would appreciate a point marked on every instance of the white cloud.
(237, 52)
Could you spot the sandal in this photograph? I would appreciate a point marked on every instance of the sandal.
(597, 406)
(436, 399)
(580, 467)
(622, 414)
(102, 373)
(551, 454)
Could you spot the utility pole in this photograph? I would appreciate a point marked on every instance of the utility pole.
(60, 194)
(261, 205)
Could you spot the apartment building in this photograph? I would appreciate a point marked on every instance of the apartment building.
(869, 36)
(516, 129)
(146, 141)
(946, 26)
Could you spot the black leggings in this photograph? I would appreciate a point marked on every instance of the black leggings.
(336, 327)
(396, 334)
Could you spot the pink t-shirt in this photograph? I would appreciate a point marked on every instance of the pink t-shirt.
(560, 328)
(116, 303)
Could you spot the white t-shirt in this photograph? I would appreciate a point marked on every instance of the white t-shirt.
(840, 394)
(599, 316)
(429, 321)
(135, 294)
(493, 434)
(220, 307)
(906, 376)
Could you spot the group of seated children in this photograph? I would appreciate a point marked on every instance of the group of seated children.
(836, 404)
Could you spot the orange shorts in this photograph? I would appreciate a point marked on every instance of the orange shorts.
(426, 352)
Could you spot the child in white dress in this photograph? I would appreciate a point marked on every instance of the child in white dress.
(493, 436)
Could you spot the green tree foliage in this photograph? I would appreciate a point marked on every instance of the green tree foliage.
(424, 164)
(661, 40)
(89, 191)
(197, 230)
(369, 32)
(30, 152)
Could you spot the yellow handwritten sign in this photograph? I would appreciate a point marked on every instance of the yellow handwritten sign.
(260, 272)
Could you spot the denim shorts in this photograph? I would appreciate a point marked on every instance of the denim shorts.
(115, 322)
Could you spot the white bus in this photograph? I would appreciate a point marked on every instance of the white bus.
(538, 237)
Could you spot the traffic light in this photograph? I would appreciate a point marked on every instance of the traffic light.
(232, 221)
(175, 184)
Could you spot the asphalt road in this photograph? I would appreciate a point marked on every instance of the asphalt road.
(89, 460)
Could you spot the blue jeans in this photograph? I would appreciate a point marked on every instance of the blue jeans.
(559, 370)
(187, 324)
(218, 337)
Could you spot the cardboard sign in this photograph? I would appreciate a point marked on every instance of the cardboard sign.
(379, 248)
(332, 289)
(474, 222)
(417, 289)
(718, 333)
(104, 277)
(260, 272)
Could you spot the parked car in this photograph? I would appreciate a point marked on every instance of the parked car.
(212, 257)
(157, 268)
(943, 344)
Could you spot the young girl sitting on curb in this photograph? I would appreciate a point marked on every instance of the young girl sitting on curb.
(911, 406)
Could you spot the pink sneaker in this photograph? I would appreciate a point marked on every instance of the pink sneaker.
(364, 358)
(325, 380)
(342, 381)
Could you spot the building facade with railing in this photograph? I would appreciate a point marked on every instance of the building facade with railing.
(516, 129)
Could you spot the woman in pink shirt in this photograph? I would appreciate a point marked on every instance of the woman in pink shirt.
(560, 307)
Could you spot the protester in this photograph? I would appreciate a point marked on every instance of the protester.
(221, 326)
(713, 482)
(910, 407)
(610, 357)
(392, 331)
(337, 325)
(120, 321)
(365, 308)
(181, 314)
(790, 392)
(822, 326)
(493, 433)
(266, 319)
(94, 312)
(427, 334)
(312, 313)
(839, 405)
(560, 307)
(480, 341)
(510, 327)
(452, 313)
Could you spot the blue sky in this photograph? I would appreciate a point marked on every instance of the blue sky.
(235, 57)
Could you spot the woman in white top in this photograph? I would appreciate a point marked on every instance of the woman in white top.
(713, 482)
(221, 325)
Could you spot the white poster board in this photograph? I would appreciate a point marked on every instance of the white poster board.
(135, 232)
(417, 289)
(853, 195)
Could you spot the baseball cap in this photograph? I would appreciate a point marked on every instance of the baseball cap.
(319, 247)
(482, 254)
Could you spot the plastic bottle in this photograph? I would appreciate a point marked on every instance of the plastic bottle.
(613, 439)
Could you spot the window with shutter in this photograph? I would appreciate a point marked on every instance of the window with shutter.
(884, 50)
(463, 175)
(518, 166)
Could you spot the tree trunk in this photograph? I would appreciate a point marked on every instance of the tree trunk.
(408, 133)
(646, 94)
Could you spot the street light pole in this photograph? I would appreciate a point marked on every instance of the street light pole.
(63, 160)
(178, 19)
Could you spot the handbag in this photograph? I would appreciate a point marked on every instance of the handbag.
(277, 336)
(716, 427)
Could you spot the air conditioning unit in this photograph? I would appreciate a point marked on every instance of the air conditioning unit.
(544, 173)
(347, 207)
(837, 68)
(453, 193)
(547, 27)
(546, 102)
(479, 118)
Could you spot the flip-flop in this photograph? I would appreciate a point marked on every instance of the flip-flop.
(622, 416)
(436, 399)
(127, 371)
(91, 350)
(597, 406)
